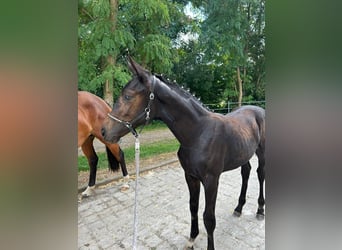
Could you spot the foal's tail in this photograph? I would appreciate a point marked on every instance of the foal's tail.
(112, 160)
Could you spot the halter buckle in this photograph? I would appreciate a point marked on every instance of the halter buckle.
(147, 110)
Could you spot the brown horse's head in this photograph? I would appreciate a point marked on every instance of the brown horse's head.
(132, 107)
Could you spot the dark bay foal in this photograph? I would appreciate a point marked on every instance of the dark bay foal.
(210, 143)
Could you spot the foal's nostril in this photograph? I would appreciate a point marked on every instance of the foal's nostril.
(103, 132)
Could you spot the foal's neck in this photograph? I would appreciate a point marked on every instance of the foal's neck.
(182, 114)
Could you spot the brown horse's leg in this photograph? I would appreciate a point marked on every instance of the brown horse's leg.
(125, 185)
(123, 163)
(194, 190)
(261, 177)
(245, 171)
(210, 188)
(89, 152)
(120, 157)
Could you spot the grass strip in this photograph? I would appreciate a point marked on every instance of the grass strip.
(146, 151)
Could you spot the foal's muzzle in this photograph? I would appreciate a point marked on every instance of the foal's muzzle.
(103, 132)
(126, 124)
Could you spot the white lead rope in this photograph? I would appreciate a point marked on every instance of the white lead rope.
(137, 156)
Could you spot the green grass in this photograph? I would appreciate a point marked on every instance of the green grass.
(154, 125)
(146, 151)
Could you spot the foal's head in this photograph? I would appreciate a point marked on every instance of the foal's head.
(132, 107)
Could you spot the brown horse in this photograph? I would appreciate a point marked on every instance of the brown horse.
(92, 110)
(210, 143)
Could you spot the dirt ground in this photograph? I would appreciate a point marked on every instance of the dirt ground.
(128, 141)
(104, 174)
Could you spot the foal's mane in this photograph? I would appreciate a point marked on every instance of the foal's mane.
(181, 91)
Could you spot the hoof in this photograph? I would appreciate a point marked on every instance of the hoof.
(260, 216)
(88, 192)
(236, 213)
(187, 248)
(84, 195)
(124, 187)
(189, 244)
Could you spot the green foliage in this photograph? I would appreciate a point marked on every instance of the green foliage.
(138, 26)
(229, 33)
(98, 40)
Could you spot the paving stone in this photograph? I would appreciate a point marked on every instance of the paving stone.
(106, 219)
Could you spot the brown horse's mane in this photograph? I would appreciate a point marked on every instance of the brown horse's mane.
(108, 104)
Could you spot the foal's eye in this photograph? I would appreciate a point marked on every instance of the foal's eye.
(127, 97)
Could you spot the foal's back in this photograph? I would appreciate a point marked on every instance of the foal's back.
(248, 111)
(248, 117)
(245, 134)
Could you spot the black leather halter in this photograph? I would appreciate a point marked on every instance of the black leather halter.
(146, 112)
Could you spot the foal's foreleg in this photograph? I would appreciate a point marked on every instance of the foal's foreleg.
(194, 190)
(245, 171)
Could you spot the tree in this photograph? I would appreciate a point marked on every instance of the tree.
(225, 60)
(108, 28)
(232, 35)
(101, 39)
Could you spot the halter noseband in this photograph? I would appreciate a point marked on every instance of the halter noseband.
(147, 111)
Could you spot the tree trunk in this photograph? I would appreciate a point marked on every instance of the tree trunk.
(108, 90)
(240, 86)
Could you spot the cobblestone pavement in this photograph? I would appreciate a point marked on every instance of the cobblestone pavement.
(105, 221)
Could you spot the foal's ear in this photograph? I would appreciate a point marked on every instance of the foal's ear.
(143, 74)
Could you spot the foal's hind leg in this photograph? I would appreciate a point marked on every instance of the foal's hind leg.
(245, 170)
(89, 152)
(210, 189)
(261, 176)
(194, 190)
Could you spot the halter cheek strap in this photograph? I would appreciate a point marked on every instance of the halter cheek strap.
(126, 124)
(146, 112)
